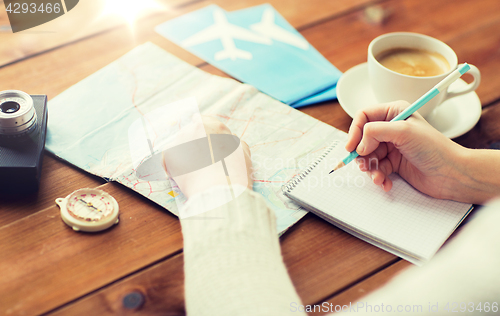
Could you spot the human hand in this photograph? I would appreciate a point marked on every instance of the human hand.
(420, 154)
(191, 183)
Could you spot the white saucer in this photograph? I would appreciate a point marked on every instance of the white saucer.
(453, 118)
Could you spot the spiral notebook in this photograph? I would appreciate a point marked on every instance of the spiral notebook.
(403, 221)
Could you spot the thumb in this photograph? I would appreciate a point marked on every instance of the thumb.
(375, 133)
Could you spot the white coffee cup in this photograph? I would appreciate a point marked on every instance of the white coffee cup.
(390, 86)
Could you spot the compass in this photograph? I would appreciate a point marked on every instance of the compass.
(89, 210)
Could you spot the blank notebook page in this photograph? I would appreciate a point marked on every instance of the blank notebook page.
(402, 218)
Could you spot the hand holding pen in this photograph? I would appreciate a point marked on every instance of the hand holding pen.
(407, 112)
(424, 157)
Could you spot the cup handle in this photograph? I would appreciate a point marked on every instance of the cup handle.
(470, 87)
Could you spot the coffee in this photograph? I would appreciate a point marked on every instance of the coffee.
(414, 62)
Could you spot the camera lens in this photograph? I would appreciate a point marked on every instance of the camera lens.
(10, 107)
(17, 114)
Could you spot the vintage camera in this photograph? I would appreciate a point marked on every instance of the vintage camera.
(23, 126)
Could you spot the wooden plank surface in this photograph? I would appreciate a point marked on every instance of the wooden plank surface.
(45, 263)
(59, 69)
(481, 47)
(90, 17)
(487, 130)
(87, 18)
(322, 259)
(58, 180)
(161, 286)
(64, 67)
(357, 292)
(311, 240)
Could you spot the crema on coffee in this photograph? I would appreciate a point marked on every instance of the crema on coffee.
(414, 62)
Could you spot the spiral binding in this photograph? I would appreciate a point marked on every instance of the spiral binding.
(288, 187)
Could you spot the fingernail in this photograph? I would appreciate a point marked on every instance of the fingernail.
(361, 147)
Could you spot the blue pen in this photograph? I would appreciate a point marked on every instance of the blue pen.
(441, 86)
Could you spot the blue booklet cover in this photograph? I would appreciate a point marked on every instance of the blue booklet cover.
(257, 46)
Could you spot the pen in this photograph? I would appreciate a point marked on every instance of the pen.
(441, 86)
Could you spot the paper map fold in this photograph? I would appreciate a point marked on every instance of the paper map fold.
(89, 123)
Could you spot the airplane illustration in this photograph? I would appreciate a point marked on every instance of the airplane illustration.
(226, 32)
(269, 29)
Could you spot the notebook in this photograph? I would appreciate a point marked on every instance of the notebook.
(403, 221)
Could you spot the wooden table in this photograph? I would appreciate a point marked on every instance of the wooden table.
(46, 268)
